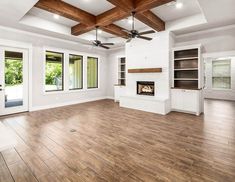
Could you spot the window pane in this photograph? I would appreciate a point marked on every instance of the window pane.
(13, 79)
(221, 73)
(54, 71)
(92, 72)
(75, 72)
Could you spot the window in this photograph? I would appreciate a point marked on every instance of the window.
(221, 74)
(54, 71)
(75, 72)
(92, 72)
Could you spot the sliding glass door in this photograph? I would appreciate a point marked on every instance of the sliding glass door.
(13, 80)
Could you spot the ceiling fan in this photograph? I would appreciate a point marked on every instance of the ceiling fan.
(98, 43)
(135, 34)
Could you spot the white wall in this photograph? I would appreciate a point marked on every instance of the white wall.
(214, 40)
(45, 100)
(112, 71)
(216, 43)
(149, 54)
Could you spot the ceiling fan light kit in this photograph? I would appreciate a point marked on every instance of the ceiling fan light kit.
(98, 43)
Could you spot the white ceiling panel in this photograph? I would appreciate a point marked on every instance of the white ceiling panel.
(126, 24)
(94, 7)
(49, 17)
(170, 12)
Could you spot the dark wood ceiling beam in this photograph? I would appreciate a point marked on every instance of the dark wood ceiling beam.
(81, 29)
(125, 5)
(145, 5)
(111, 16)
(115, 30)
(112, 29)
(66, 10)
(150, 19)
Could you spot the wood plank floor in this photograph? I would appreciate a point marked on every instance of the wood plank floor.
(118, 144)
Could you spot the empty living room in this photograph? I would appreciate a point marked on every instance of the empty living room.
(117, 90)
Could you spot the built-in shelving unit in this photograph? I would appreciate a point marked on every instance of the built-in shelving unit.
(186, 68)
(187, 83)
(119, 88)
(122, 71)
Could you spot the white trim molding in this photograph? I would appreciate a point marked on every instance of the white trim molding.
(37, 108)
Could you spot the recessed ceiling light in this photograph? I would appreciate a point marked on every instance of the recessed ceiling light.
(56, 16)
(179, 5)
(100, 31)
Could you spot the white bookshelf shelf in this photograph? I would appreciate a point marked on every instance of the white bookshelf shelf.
(186, 69)
(186, 79)
(185, 58)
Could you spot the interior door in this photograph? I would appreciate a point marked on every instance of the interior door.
(13, 80)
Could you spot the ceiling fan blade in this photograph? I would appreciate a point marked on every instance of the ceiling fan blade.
(107, 43)
(129, 40)
(147, 32)
(105, 47)
(145, 38)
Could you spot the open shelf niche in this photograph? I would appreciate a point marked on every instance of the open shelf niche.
(186, 68)
(122, 71)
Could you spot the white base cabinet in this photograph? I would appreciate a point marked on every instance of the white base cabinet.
(119, 91)
(188, 101)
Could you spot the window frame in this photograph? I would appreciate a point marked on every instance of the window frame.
(97, 72)
(63, 69)
(216, 60)
(82, 81)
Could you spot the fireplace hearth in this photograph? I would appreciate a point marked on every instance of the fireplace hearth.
(145, 88)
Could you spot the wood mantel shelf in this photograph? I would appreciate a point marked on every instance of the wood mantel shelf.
(145, 70)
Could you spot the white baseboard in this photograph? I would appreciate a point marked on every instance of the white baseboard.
(37, 108)
(110, 97)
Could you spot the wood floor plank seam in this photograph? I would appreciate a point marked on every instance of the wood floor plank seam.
(6, 166)
(28, 166)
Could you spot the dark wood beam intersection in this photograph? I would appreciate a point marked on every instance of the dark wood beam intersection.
(87, 21)
(142, 10)
(111, 16)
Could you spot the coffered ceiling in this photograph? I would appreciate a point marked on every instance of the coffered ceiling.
(105, 17)
(115, 18)
(194, 15)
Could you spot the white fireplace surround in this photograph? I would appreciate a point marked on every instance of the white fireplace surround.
(159, 105)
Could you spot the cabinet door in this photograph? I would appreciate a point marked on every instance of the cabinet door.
(190, 100)
(176, 99)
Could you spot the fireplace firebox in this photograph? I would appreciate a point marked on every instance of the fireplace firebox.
(145, 88)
